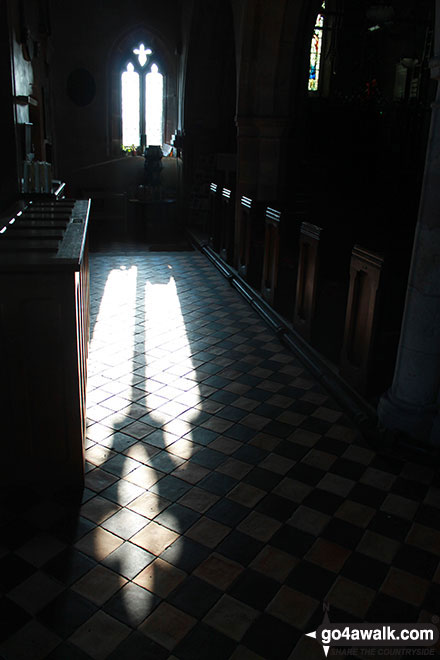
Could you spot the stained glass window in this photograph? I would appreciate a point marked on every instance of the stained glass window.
(315, 52)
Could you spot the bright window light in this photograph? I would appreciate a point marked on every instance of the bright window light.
(130, 107)
(153, 106)
(142, 53)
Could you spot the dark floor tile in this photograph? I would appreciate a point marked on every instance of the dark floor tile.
(428, 516)
(204, 355)
(209, 368)
(337, 615)
(411, 489)
(138, 647)
(122, 492)
(217, 483)
(306, 473)
(194, 596)
(71, 528)
(185, 554)
(348, 469)
(311, 579)
(250, 454)
(417, 561)
(66, 613)
(323, 501)
(227, 512)
(239, 547)
(223, 396)
(201, 436)
(68, 566)
(12, 618)
(67, 651)
(388, 525)
(343, 533)
(365, 570)
(303, 407)
(331, 445)
(276, 507)
(248, 379)
(216, 381)
(120, 441)
(292, 541)
(232, 414)
(13, 571)
(170, 487)
(316, 425)
(291, 450)
(177, 517)
(128, 560)
(384, 608)
(367, 495)
(254, 589)
(432, 600)
(131, 604)
(261, 478)
(203, 642)
(277, 376)
(387, 463)
(240, 432)
(279, 429)
(16, 532)
(267, 410)
(271, 638)
(163, 461)
(295, 393)
(258, 395)
(208, 458)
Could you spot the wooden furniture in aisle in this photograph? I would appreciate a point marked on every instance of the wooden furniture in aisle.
(214, 216)
(307, 279)
(227, 225)
(251, 240)
(44, 328)
(361, 317)
(271, 255)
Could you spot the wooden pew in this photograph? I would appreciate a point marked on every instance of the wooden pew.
(361, 319)
(214, 216)
(251, 240)
(271, 255)
(227, 225)
(308, 279)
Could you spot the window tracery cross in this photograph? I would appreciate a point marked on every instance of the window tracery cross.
(142, 53)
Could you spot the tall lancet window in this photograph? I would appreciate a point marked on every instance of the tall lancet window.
(316, 52)
(142, 100)
(153, 106)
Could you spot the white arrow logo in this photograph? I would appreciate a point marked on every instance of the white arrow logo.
(325, 621)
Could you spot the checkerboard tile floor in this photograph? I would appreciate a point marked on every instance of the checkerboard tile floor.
(227, 495)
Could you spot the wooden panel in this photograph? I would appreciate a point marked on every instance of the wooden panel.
(251, 227)
(271, 255)
(361, 317)
(307, 279)
(44, 327)
(214, 216)
(227, 225)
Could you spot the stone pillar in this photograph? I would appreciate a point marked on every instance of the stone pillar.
(412, 403)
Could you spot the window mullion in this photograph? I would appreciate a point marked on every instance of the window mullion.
(142, 109)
